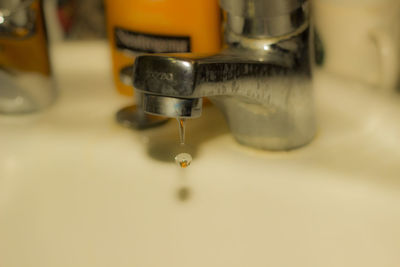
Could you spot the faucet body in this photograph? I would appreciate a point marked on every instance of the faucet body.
(261, 81)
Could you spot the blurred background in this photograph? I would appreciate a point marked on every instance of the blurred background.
(76, 19)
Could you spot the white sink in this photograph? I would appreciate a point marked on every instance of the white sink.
(76, 189)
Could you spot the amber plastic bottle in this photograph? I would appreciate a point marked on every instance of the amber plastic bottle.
(26, 82)
(160, 26)
(24, 51)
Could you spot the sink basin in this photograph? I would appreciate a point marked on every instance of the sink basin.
(77, 189)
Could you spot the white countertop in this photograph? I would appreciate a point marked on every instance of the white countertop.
(77, 189)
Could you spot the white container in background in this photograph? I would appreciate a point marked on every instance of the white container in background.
(359, 40)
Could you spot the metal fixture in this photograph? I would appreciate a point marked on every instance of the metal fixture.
(133, 116)
(261, 81)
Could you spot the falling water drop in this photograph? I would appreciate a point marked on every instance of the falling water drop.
(182, 129)
(183, 160)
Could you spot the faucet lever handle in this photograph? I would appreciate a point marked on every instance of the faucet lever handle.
(263, 18)
(260, 8)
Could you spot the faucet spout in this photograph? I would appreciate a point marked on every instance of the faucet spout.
(172, 107)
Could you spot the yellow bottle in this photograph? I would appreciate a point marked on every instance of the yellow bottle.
(148, 26)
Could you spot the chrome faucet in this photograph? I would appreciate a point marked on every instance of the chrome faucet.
(261, 81)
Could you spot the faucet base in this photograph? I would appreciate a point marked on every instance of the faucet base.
(268, 128)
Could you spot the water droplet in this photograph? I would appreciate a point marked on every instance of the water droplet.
(182, 128)
(183, 160)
